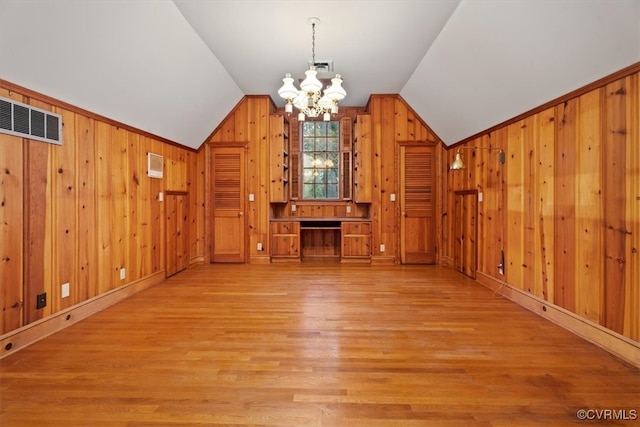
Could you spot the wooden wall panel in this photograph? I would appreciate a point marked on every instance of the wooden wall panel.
(572, 220)
(515, 228)
(81, 211)
(64, 216)
(615, 192)
(38, 223)
(134, 247)
(588, 208)
(157, 223)
(87, 280)
(565, 190)
(632, 211)
(120, 194)
(543, 188)
(11, 229)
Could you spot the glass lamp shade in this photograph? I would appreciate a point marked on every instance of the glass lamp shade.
(288, 91)
(457, 163)
(311, 82)
(336, 92)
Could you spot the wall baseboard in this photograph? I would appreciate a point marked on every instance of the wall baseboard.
(379, 259)
(196, 260)
(36, 331)
(616, 344)
(260, 259)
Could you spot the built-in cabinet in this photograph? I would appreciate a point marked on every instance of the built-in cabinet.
(279, 160)
(307, 238)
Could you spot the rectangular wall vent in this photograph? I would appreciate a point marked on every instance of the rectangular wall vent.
(155, 163)
(25, 121)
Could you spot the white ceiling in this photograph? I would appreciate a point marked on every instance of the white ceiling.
(177, 68)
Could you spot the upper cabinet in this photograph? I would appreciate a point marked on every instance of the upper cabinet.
(362, 178)
(278, 159)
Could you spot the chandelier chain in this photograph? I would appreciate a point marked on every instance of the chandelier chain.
(313, 44)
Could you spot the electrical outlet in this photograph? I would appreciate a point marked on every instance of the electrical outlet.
(123, 273)
(64, 291)
(392, 197)
(252, 197)
(293, 208)
(41, 300)
(382, 248)
(259, 246)
(160, 196)
(480, 196)
(348, 209)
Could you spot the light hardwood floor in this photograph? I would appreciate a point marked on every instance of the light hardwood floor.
(314, 345)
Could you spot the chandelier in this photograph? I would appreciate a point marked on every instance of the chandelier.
(310, 100)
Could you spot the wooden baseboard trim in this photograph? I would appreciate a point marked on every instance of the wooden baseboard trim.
(446, 261)
(22, 337)
(616, 344)
(260, 259)
(196, 260)
(383, 259)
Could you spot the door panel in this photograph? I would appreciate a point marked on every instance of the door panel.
(228, 169)
(177, 237)
(417, 225)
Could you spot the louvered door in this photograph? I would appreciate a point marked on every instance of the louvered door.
(417, 225)
(228, 169)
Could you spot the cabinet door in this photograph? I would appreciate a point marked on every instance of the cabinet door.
(279, 159)
(417, 224)
(228, 169)
(362, 179)
(285, 239)
(356, 240)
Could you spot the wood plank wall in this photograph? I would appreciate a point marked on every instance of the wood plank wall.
(249, 123)
(392, 121)
(79, 212)
(570, 216)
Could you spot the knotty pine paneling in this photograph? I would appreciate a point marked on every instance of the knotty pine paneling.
(248, 123)
(11, 229)
(64, 188)
(392, 121)
(570, 214)
(87, 279)
(79, 212)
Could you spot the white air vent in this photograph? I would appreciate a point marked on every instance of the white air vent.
(154, 165)
(23, 120)
(322, 66)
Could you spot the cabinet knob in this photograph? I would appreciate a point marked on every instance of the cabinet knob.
(240, 213)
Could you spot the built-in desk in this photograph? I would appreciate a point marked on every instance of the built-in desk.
(345, 239)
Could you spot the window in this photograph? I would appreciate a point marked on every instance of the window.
(320, 160)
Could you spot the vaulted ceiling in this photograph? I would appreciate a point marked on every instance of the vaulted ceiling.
(177, 68)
